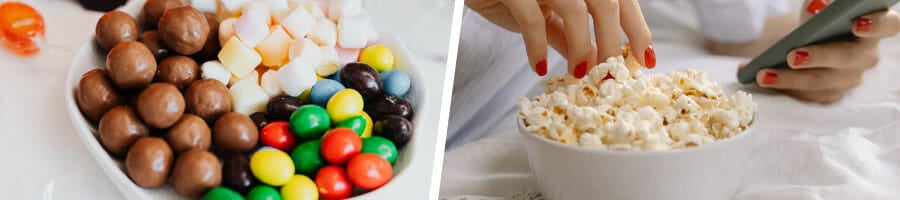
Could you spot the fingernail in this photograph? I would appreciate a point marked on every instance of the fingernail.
(580, 70)
(863, 25)
(801, 58)
(770, 78)
(815, 6)
(541, 68)
(650, 57)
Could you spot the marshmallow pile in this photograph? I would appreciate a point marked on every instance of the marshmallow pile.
(620, 109)
(275, 47)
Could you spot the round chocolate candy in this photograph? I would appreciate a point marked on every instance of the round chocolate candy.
(190, 132)
(131, 65)
(115, 27)
(184, 29)
(260, 119)
(155, 44)
(222, 193)
(119, 128)
(323, 90)
(307, 158)
(310, 121)
(209, 99)
(361, 77)
(355, 123)
(381, 147)
(234, 132)
(236, 173)
(395, 128)
(386, 104)
(154, 9)
(149, 162)
(196, 172)
(160, 105)
(281, 107)
(96, 94)
(211, 48)
(263, 192)
(180, 71)
(395, 82)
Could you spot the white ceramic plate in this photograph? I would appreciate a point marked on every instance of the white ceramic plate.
(408, 175)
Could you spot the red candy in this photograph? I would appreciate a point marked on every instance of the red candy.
(369, 171)
(278, 134)
(340, 144)
(19, 23)
(332, 183)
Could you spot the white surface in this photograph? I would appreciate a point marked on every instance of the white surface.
(45, 159)
(847, 150)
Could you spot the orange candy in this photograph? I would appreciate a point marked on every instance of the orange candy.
(19, 24)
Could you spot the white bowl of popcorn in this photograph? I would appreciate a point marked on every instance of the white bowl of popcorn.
(622, 135)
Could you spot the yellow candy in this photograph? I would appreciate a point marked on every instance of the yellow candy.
(300, 187)
(344, 104)
(274, 49)
(305, 95)
(240, 60)
(272, 166)
(368, 131)
(378, 56)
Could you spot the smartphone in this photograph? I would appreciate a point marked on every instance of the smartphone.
(833, 23)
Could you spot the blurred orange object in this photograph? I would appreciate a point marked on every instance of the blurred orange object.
(19, 25)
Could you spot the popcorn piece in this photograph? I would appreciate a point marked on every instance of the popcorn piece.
(342, 8)
(279, 8)
(296, 76)
(330, 62)
(274, 49)
(306, 51)
(233, 6)
(247, 97)
(252, 27)
(269, 82)
(239, 59)
(324, 33)
(351, 32)
(205, 6)
(226, 30)
(298, 23)
(347, 55)
(214, 70)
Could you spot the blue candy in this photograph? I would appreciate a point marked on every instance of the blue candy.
(323, 90)
(395, 82)
(337, 75)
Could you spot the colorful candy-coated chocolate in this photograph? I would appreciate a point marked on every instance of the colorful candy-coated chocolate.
(296, 76)
(378, 56)
(337, 74)
(247, 97)
(307, 159)
(19, 24)
(263, 192)
(272, 166)
(351, 31)
(355, 123)
(362, 77)
(395, 82)
(298, 22)
(369, 171)
(310, 121)
(274, 48)
(278, 134)
(333, 184)
(340, 144)
(344, 104)
(304, 96)
(237, 58)
(280, 108)
(222, 193)
(369, 125)
(395, 128)
(386, 104)
(323, 90)
(236, 173)
(300, 187)
(381, 147)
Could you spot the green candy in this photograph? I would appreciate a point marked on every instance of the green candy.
(356, 123)
(307, 159)
(222, 193)
(381, 147)
(263, 192)
(310, 122)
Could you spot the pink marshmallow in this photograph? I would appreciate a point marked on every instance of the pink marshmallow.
(347, 55)
(251, 28)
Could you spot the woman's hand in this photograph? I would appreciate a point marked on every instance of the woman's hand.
(825, 72)
(564, 25)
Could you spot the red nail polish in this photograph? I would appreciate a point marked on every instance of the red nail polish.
(801, 58)
(815, 6)
(650, 57)
(541, 68)
(863, 25)
(580, 70)
(770, 78)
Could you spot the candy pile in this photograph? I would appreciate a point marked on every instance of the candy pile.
(260, 102)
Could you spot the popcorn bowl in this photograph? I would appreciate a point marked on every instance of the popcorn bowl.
(707, 172)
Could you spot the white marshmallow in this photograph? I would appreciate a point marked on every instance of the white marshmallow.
(252, 27)
(264, 13)
(347, 55)
(330, 62)
(279, 8)
(252, 77)
(296, 76)
(341, 8)
(269, 83)
(214, 70)
(233, 6)
(305, 50)
(298, 23)
(205, 6)
(371, 33)
(314, 10)
(226, 30)
(352, 32)
(324, 33)
(247, 97)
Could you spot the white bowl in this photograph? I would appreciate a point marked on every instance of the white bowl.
(706, 172)
(419, 149)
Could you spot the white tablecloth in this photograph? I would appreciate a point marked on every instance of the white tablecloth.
(846, 150)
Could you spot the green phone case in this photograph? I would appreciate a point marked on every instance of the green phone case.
(835, 22)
